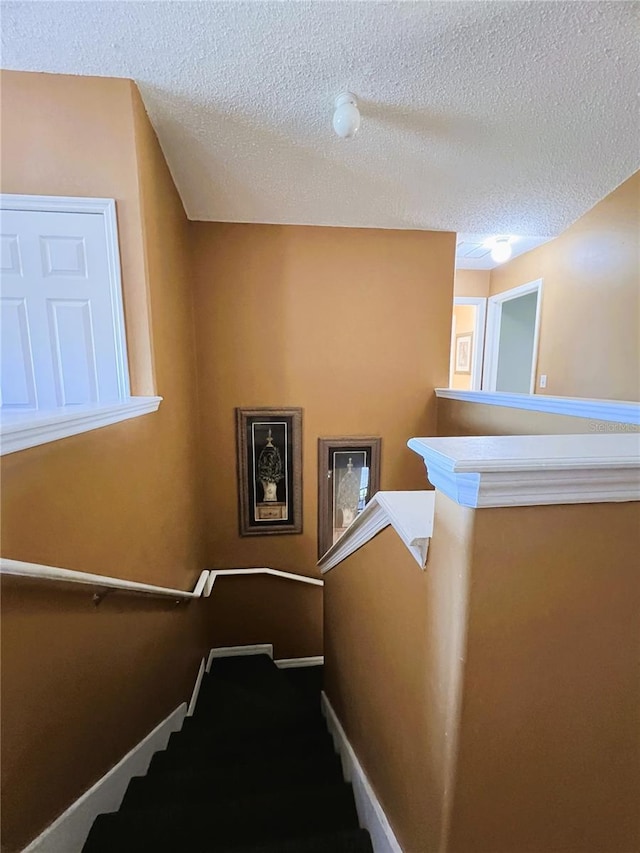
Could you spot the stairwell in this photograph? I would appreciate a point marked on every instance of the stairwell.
(252, 771)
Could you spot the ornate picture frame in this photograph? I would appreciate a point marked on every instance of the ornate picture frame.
(269, 455)
(348, 477)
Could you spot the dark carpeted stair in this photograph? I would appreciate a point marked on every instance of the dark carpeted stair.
(253, 771)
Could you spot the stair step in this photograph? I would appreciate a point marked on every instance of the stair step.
(217, 741)
(225, 824)
(248, 693)
(250, 726)
(353, 841)
(271, 751)
(187, 787)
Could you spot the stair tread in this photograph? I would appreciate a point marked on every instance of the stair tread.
(248, 821)
(193, 755)
(351, 841)
(186, 785)
(254, 770)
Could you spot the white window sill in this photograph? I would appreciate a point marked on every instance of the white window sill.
(19, 430)
(615, 411)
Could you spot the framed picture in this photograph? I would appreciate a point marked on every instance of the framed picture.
(464, 348)
(269, 447)
(348, 477)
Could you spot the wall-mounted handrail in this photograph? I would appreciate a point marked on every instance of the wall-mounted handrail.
(216, 573)
(104, 583)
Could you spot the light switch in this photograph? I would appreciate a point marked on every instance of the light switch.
(543, 380)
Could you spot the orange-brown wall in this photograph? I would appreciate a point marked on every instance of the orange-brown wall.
(81, 685)
(394, 638)
(590, 323)
(64, 135)
(472, 283)
(549, 743)
(352, 325)
(493, 699)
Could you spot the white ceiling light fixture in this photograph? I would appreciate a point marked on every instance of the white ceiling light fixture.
(501, 249)
(346, 118)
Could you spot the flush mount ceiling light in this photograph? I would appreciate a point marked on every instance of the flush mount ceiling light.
(346, 118)
(500, 248)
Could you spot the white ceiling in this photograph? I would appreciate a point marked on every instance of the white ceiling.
(479, 117)
(473, 253)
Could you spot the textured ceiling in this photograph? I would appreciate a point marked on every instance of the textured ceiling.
(473, 253)
(481, 117)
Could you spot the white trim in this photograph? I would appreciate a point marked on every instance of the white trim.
(492, 337)
(68, 833)
(528, 470)
(196, 688)
(480, 302)
(100, 583)
(238, 651)
(276, 573)
(18, 568)
(409, 513)
(105, 207)
(615, 411)
(294, 663)
(370, 813)
(20, 430)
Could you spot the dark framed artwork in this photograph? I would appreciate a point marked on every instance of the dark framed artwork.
(269, 447)
(348, 477)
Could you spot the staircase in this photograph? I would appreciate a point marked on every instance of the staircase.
(252, 771)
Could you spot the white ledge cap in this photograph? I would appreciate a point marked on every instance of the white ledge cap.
(409, 513)
(525, 470)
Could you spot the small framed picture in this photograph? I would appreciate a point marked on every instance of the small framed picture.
(464, 344)
(269, 449)
(348, 477)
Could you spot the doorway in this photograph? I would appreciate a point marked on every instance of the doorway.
(467, 343)
(513, 326)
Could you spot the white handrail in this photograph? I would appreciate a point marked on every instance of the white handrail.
(202, 589)
(215, 573)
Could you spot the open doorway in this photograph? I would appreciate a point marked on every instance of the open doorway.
(511, 352)
(467, 343)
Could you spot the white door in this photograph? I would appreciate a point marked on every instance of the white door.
(59, 320)
(511, 353)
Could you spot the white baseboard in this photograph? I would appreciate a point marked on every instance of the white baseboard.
(292, 663)
(370, 812)
(233, 651)
(68, 833)
(196, 688)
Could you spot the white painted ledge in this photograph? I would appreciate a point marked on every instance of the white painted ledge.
(20, 430)
(526, 470)
(409, 513)
(615, 411)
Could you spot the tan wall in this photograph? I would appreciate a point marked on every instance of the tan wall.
(465, 321)
(458, 418)
(493, 699)
(549, 746)
(352, 325)
(472, 283)
(67, 135)
(590, 325)
(394, 638)
(81, 685)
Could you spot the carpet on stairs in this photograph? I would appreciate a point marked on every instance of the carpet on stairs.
(252, 771)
